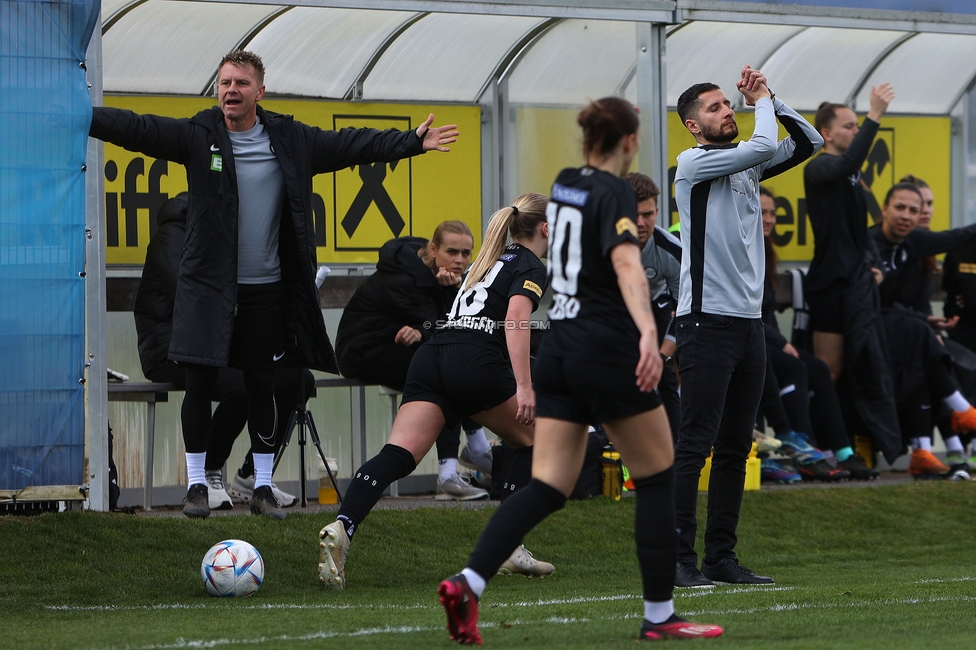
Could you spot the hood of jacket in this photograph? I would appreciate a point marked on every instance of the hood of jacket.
(400, 256)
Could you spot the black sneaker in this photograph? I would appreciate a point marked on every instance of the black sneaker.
(821, 471)
(859, 471)
(263, 502)
(196, 503)
(730, 572)
(686, 574)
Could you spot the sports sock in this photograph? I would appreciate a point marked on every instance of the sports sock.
(956, 402)
(656, 535)
(263, 466)
(446, 469)
(520, 472)
(843, 454)
(923, 443)
(658, 612)
(477, 442)
(476, 582)
(512, 521)
(827, 453)
(195, 472)
(954, 444)
(376, 474)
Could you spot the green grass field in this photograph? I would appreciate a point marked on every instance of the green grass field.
(855, 568)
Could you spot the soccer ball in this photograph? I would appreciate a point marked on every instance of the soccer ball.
(232, 568)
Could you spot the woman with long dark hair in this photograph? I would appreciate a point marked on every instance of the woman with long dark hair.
(602, 336)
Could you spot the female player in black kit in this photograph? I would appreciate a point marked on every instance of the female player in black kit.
(602, 335)
(477, 365)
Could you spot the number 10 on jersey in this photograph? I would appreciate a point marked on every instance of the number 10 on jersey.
(565, 258)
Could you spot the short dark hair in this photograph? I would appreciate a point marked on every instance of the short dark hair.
(605, 122)
(765, 191)
(826, 113)
(243, 58)
(688, 103)
(644, 186)
(914, 180)
(898, 187)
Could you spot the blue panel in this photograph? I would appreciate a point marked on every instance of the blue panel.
(946, 6)
(45, 111)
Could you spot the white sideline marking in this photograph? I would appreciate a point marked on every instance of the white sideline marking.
(554, 620)
(943, 580)
(758, 589)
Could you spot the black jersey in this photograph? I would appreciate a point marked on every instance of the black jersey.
(478, 314)
(589, 214)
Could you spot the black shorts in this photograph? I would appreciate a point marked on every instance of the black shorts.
(462, 379)
(827, 309)
(258, 340)
(587, 392)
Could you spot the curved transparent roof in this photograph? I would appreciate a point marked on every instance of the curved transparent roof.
(825, 64)
(716, 52)
(173, 46)
(574, 60)
(447, 56)
(317, 52)
(929, 72)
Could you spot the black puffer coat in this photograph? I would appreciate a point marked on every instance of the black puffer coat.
(206, 296)
(403, 291)
(153, 310)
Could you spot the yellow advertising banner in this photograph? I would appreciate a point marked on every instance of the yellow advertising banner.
(355, 210)
(550, 139)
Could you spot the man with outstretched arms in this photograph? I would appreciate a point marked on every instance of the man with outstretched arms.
(719, 331)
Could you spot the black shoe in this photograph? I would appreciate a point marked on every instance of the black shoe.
(859, 471)
(686, 574)
(263, 502)
(196, 503)
(730, 572)
(821, 471)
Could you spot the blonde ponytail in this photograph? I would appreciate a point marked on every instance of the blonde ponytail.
(491, 246)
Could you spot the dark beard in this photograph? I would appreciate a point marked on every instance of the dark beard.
(718, 136)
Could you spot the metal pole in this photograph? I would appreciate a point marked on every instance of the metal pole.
(652, 100)
(96, 386)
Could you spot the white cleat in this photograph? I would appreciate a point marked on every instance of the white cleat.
(522, 562)
(333, 546)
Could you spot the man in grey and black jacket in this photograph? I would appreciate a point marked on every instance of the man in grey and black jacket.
(721, 346)
(246, 295)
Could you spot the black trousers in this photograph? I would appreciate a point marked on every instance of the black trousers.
(722, 364)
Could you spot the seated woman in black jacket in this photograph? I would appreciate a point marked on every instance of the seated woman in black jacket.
(396, 310)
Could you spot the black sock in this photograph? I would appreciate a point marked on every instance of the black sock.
(655, 533)
(376, 474)
(519, 473)
(511, 523)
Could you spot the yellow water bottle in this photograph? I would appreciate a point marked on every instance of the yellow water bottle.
(612, 475)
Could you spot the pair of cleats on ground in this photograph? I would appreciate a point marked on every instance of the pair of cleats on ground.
(461, 606)
(334, 545)
(926, 465)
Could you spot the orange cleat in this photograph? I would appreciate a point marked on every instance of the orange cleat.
(924, 463)
(964, 421)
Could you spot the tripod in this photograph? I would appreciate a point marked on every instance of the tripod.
(303, 419)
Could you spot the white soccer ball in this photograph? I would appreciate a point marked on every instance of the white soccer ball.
(232, 568)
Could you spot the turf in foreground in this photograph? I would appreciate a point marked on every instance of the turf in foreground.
(855, 568)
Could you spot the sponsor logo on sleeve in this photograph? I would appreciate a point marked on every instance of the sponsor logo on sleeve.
(508, 257)
(627, 225)
(533, 287)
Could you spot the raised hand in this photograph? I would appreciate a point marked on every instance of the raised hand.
(435, 137)
(752, 85)
(881, 96)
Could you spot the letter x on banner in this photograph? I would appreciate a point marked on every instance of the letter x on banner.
(373, 202)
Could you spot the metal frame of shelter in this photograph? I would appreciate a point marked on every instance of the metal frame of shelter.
(654, 19)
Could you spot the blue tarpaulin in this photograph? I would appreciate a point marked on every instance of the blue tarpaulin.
(45, 111)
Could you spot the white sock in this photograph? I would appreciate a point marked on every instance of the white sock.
(476, 582)
(954, 444)
(658, 612)
(196, 474)
(956, 402)
(446, 469)
(923, 443)
(263, 466)
(477, 441)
